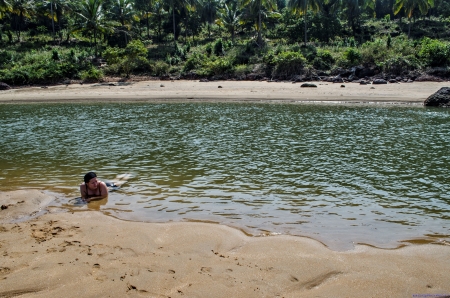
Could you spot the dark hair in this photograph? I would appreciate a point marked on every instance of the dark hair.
(89, 176)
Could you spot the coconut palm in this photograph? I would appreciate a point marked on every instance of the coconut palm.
(123, 11)
(208, 11)
(409, 6)
(229, 17)
(93, 19)
(144, 7)
(262, 9)
(301, 7)
(354, 9)
(20, 10)
(5, 7)
(178, 6)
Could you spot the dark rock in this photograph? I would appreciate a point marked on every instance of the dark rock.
(4, 207)
(204, 80)
(353, 78)
(439, 99)
(338, 79)
(379, 81)
(362, 82)
(361, 71)
(219, 87)
(308, 85)
(342, 86)
(4, 86)
(392, 81)
(428, 78)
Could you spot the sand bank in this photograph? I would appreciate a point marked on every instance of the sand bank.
(88, 254)
(227, 91)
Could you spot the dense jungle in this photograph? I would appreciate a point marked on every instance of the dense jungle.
(64, 41)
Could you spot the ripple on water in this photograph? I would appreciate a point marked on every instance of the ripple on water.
(339, 173)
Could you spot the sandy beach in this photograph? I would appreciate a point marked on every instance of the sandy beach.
(226, 91)
(50, 251)
(88, 254)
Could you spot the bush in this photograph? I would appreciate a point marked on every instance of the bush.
(161, 68)
(324, 60)
(193, 62)
(218, 47)
(352, 55)
(309, 52)
(218, 66)
(434, 52)
(92, 75)
(288, 64)
(397, 65)
(242, 69)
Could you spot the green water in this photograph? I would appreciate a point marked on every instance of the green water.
(341, 174)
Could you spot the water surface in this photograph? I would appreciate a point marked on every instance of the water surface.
(341, 174)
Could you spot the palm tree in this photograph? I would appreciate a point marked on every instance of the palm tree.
(229, 17)
(145, 9)
(123, 11)
(92, 19)
(354, 10)
(177, 6)
(208, 10)
(262, 8)
(301, 7)
(410, 5)
(5, 7)
(21, 9)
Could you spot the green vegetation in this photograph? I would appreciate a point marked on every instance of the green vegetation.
(59, 40)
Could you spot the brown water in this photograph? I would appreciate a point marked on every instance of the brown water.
(342, 174)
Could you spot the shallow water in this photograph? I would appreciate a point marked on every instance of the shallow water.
(338, 173)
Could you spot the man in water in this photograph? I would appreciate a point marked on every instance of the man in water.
(94, 189)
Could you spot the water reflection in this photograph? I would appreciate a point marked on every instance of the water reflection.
(340, 174)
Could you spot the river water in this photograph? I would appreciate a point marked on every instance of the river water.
(341, 174)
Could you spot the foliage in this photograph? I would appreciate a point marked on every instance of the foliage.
(288, 64)
(352, 55)
(92, 75)
(161, 68)
(55, 40)
(398, 65)
(323, 60)
(435, 52)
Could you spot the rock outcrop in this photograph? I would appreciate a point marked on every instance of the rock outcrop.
(4, 86)
(439, 99)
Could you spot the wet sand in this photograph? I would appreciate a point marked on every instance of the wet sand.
(224, 91)
(51, 252)
(88, 254)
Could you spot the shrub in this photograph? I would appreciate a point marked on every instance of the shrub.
(434, 52)
(399, 64)
(352, 55)
(218, 66)
(288, 64)
(161, 68)
(309, 52)
(92, 75)
(218, 47)
(324, 60)
(112, 55)
(242, 69)
(193, 62)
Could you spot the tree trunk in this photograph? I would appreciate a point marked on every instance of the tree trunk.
(259, 40)
(306, 11)
(173, 20)
(148, 26)
(53, 21)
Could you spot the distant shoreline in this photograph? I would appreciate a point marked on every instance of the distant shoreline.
(223, 91)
